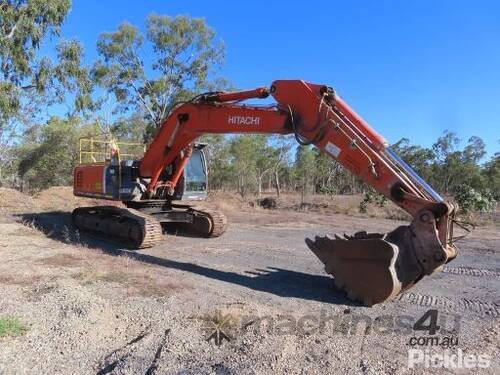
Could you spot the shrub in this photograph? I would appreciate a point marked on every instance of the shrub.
(469, 199)
(371, 196)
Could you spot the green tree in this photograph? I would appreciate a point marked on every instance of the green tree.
(419, 158)
(475, 150)
(251, 159)
(218, 160)
(453, 167)
(242, 149)
(266, 159)
(446, 145)
(128, 128)
(24, 25)
(49, 153)
(31, 83)
(447, 166)
(184, 57)
(280, 153)
(491, 174)
(332, 178)
(305, 169)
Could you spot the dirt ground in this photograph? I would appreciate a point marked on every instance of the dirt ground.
(254, 300)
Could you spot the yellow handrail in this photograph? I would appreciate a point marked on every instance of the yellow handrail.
(94, 150)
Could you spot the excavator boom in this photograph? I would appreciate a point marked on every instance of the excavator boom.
(371, 267)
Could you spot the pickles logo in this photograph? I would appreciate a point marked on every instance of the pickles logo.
(447, 359)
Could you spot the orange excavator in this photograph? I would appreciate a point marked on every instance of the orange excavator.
(370, 267)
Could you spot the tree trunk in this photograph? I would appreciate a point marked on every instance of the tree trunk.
(241, 186)
(303, 192)
(277, 182)
(259, 186)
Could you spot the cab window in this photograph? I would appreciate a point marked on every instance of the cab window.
(195, 174)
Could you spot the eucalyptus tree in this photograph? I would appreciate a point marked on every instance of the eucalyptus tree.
(30, 83)
(151, 71)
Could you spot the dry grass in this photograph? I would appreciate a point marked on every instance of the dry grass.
(28, 228)
(228, 201)
(21, 280)
(61, 260)
(231, 202)
(135, 283)
(483, 218)
(12, 201)
(227, 321)
(62, 198)
(141, 283)
(59, 198)
(38, 290)
(135, 278)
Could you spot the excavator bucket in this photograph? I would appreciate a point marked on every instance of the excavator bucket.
(373, 267)
(365, 268)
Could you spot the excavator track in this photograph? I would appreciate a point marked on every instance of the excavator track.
(129, 227)
(209, 223)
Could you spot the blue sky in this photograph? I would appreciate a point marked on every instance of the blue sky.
(410, 68)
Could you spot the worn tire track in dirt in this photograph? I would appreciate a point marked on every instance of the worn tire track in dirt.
(481, 307)
(154, 363)
(470, 271)
(121, 354)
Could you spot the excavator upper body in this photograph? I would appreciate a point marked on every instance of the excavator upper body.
(156, 189)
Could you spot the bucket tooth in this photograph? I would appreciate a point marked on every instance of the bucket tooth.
(339, 283)
(367, 302)
(352, 295)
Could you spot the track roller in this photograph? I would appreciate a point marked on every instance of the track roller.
(129, 227)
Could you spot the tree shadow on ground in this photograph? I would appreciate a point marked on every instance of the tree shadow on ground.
(278, 281)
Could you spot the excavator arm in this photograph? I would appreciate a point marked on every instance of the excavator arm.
(371, 267)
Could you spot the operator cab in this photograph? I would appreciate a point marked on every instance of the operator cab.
(194, 184)
(99, 176)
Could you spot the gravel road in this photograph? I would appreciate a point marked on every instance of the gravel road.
(252, 301)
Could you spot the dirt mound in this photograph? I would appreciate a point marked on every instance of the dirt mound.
(61, 198)
(227, 201)
(12, 200)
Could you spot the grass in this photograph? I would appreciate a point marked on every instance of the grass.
(20, 280)
(61, 260)
(135, 278)
(12, 326)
